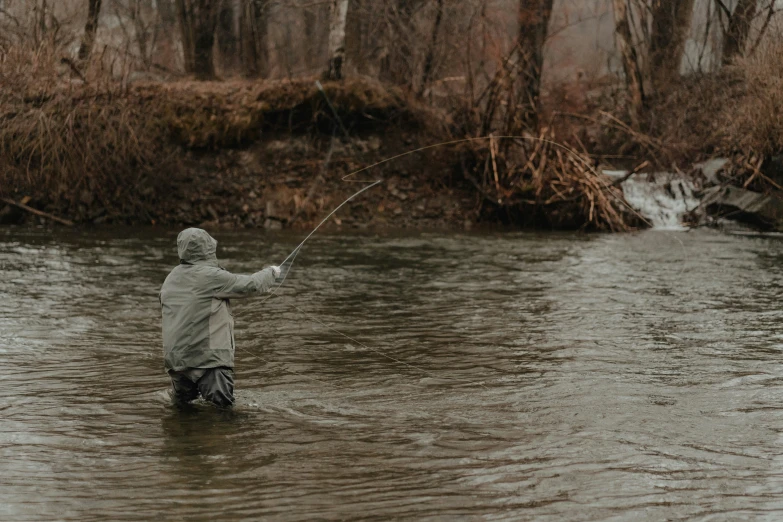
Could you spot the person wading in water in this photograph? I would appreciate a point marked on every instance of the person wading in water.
(198, 327)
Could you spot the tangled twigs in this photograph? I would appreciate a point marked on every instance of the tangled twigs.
(539, 179)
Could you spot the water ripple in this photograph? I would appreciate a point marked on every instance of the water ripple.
(621, 377)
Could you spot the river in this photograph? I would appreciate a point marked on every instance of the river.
(504, 376)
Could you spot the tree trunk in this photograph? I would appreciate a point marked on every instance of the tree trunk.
(311, 45)
(429, 59)
(198, 19)
(227, 36)
(186, 34)
(145, 36)
(671, 23)
(631, 65)
(398, 65)
(534, 18)
(204, 63)
(739, 28)
(90, 29)
(338, 12)
(253, 38)
(356, 33)
(167, 15)
(167, 22)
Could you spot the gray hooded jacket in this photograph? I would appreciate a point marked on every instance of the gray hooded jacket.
(198, 327)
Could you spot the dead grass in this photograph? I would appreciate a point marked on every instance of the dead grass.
(755, 119)
(116, 150)
(232, 114)
(70, 150)
(738, 110)
(541, 182)
(736, 113)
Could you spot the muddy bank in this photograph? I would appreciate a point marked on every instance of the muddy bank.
(293, 181)
(243, 154)
(275, 154)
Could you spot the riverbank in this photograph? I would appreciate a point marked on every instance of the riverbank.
(283, 154)
(276, 154)
(232, 154)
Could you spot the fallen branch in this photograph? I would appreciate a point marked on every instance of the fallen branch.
(37, 212)
(757, 172)
(635, 170)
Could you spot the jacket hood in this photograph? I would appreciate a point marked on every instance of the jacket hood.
(195, 246)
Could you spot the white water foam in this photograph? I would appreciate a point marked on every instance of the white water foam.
(662, 198)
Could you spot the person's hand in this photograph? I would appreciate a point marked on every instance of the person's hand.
(276, 270)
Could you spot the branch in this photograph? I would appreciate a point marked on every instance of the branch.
(38, 212)
(770, 13)
(14, 19)
(73, 67)
(635, 170)
(724, 7)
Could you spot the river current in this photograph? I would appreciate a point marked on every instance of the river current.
(504, 376)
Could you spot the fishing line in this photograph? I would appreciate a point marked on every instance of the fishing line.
(292, 372)
(417, 368)
(566, 149)
(286, 265)
(374, 182)
(288, 262)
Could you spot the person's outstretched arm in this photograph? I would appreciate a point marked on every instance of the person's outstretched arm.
(232, 286)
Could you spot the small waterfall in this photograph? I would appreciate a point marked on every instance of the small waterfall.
(662, 198)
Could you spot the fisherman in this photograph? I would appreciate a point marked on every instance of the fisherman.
(198, 327)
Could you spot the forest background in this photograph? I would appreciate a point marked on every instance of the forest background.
(251, 112)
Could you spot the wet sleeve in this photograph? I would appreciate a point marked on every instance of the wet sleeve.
(233, 286)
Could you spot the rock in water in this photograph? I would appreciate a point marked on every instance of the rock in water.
(757, 209)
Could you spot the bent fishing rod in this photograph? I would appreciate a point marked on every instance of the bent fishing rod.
(287, 263)
(375, 182)
(285, 266)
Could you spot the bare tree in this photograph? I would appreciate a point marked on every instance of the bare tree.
(671, 22)
(197, 20)
(90, 29)
(398, 57)
(227, 36)
(360, 36)
(631, 61)
(315, 28)
(337, 16)
(430, 58)
(738, 29)
(534, 16)
(167, 23)
(253, 38)
(143, 28)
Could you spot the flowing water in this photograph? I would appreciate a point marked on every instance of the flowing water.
(620, 377)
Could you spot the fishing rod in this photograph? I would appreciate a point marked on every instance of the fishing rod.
(373, 183)
(287, 263)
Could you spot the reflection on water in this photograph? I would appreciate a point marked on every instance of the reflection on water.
(625, 376)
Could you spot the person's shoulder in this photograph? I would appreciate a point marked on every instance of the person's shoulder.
(212, 272)
(172, 273)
